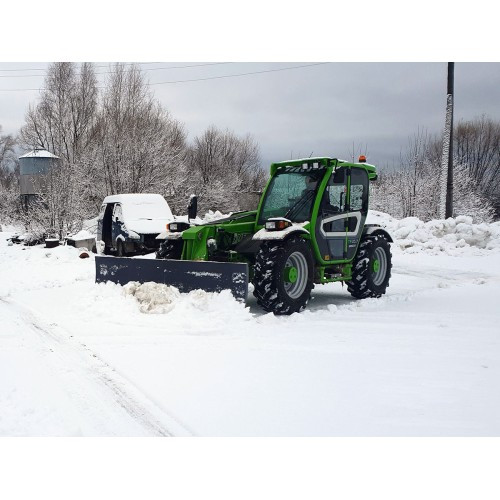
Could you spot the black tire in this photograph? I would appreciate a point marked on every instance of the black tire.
(370, 279)
(120, 249)
(170, 249)
(274, 293)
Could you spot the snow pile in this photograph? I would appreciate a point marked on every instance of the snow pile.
(159, 308)
(453, 236)
(211, 216)
(157, 298)
(84, 234)
(153, 298)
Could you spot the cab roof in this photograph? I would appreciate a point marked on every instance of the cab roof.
(324, 161)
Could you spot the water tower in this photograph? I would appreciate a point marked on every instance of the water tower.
(34, 169)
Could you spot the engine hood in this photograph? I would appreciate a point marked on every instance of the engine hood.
(147, 226)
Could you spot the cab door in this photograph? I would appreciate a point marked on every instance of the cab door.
(118, 225)
(343, 211)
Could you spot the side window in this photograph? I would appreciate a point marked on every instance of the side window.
(334, 199)
(359, 190)
(336, 195)
(117, 212)
(356, 197)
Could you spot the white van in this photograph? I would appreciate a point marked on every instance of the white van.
(128, 224)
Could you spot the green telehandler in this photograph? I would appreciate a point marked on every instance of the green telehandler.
(309, 228)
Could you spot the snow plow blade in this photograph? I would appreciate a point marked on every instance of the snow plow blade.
(186, 275)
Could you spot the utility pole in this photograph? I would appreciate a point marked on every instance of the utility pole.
(446, 198)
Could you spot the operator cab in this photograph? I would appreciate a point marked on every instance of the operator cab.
(330, 194)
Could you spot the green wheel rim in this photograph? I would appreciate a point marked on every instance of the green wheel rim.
(290, 274)
(379, 266)
(297, 262)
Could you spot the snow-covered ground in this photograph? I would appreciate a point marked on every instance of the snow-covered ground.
(77, 358)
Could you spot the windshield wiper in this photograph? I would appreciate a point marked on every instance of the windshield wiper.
(299, 204)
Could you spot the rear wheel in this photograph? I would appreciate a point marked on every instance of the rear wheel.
(170, 249)
(371, 269)
(283, 275)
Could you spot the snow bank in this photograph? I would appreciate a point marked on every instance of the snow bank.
(453, 236)
(36, 267)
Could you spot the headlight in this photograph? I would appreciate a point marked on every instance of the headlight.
(277, 224)
(100, 247)
(177, 227)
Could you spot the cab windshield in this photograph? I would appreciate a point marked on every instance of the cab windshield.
(291, 194)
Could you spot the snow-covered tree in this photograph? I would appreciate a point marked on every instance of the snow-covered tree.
(393, 191)
(9, 174)
(410, 190)
(63, 122)
(140, 147)
(469, 199)
(120, 140)
(477, 146)
(413, 190)
(9, 163)
(226, 168)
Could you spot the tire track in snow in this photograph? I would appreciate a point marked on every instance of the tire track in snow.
(430, 276)
(74, 356)
(453, 276)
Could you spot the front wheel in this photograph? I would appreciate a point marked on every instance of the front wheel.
(283, 275)
(371, 268)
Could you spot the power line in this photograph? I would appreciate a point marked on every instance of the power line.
(97, 66)
(241, 74)
(203, 79)
(128, 64)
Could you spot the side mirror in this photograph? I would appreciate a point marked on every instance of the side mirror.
(192, 207)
